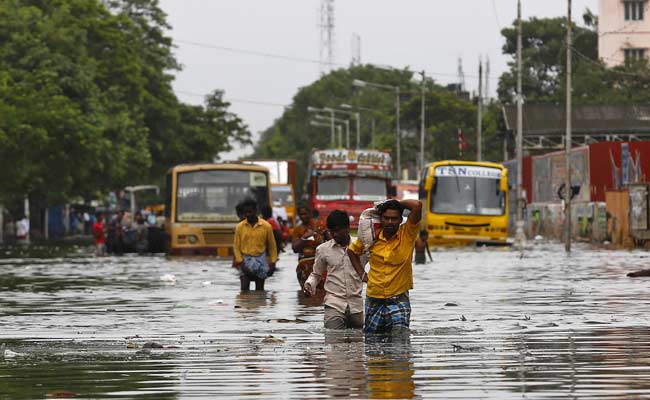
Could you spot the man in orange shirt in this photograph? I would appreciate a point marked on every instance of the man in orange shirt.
(388, 307)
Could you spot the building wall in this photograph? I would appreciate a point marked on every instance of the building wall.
(616, 34)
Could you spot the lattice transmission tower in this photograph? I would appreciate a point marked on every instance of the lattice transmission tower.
(326, 26)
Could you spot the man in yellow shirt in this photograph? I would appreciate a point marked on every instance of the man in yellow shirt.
(254, 248)
(391, 275)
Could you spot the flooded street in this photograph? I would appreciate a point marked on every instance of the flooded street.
(486, 323)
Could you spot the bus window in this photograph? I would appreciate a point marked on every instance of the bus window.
(213, 194)
(467, 195)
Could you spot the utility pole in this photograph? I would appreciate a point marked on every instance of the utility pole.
(340, 131)
(520, 235)
(479, 122)
(399, 139)
(421, 166)
(357, 115)
(569, 88)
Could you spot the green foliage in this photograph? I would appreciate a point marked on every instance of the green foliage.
(544, 63)
(86, 103)
(292, 137)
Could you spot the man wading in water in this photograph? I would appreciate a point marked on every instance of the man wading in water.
(391, 276)
(306, 237)
(343, 302)
(254, 247)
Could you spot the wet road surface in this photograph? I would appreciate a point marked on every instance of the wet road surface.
(486, 323)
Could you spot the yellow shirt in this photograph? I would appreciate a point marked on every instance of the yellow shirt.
(254, 240)
(391, 272)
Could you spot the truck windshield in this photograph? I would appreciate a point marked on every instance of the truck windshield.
(333, 189)
(369, 189)
(469, 196)
(205, 196)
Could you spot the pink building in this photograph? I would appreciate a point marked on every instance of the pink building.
(623, 30)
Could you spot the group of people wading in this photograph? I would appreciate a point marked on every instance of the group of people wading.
(328, 260)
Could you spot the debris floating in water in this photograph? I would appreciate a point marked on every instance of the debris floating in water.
(169, 278)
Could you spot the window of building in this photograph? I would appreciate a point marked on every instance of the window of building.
(634, 10)
(634, 54)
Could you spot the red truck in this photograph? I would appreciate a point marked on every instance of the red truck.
(350, 180)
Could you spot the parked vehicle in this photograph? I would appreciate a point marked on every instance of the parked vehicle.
(465, 202)
(200, 205)
(350, 180)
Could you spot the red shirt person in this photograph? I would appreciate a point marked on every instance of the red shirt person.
(100, 235)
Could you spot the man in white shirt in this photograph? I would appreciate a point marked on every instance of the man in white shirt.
(343, 301)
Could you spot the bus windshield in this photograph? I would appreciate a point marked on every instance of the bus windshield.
(467, 195)
(282, 196)
(333, 189)
(208, 196)
(369, 189)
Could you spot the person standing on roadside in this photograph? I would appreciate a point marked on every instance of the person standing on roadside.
(255, 252)
(388, 308)
(100, 235)
(343, 302)
(305, 238)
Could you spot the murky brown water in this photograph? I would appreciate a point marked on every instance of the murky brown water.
(486, 324)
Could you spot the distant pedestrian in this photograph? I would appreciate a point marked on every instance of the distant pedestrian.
(388, 308)
(22, 230)
(422, 245)
(99, 235)
(141, 234)
(115, 238)
(305, 238)
(255, 252)
(343, 301)
(267, 214)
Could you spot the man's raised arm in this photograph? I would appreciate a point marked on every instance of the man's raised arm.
(415, 206)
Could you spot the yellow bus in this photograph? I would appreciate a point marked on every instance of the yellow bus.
(465, 202)
(200, 205)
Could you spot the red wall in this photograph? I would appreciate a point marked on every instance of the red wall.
(600, 166)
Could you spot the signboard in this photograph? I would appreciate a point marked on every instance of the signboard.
(467, 171)
(343, 157)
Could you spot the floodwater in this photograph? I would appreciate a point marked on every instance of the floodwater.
(486, 323)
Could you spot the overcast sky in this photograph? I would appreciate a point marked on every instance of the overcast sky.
(420, 34)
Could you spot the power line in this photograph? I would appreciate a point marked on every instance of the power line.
(289, 58)
(252, 52)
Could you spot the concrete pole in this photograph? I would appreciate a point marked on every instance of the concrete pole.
(520, 234)
(2, 223)
(569, 88)
(347, 133)
(398, 138)
(479, 122)
(421, 163)
(358, 117)
(340, 130)
(332, 140)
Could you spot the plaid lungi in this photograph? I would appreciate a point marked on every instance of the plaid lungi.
(386, 315)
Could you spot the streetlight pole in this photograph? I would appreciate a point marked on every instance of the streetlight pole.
(331, 111)
(358, 116)
(398, 146)
(520, 235)
(479, 117)
(569, 88)
(421, 166)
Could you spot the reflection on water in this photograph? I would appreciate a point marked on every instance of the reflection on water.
(485, 324)
(390, 367)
